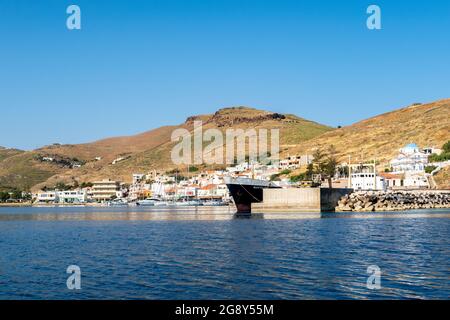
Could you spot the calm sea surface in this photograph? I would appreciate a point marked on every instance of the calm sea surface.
(209, 254)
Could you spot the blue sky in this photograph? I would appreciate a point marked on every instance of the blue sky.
(137, 65)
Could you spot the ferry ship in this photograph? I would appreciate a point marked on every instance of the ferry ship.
(246, 191)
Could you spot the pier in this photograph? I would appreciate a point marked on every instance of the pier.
(300, 200)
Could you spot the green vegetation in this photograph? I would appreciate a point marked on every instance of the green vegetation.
(14, 195)
(325, 163)
(439, 158)
(430, 169)
(63, 187)
(275, 177)
(4, 196)
(86, 185)
(444, 156)
(446, 147)
(300, 177)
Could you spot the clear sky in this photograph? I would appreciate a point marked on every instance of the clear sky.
(136, 65)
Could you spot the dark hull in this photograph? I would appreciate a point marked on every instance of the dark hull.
(244, 195)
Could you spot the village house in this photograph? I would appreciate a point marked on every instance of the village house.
(410, 159)
(77, 196)
(295, 162)
(105, 190)
(393, 181)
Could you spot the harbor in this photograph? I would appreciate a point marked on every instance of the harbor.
(148, 253)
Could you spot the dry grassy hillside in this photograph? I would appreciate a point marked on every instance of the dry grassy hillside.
(380, 137)
(6, 153)
(292, 129)
(443, 178)
(23, 170)
(377, 138)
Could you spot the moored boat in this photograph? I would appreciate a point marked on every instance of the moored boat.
(246, 191)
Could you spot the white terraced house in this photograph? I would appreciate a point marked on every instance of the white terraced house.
(410, 159)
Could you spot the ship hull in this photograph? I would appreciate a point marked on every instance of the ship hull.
(244, 194)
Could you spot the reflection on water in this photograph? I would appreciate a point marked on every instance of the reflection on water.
(139, 253)
(184, 213)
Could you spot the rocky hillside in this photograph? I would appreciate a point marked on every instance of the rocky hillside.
(141, 153)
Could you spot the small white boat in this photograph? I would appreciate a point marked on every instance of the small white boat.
(117, 203)
(151, 202)
(188, 203)
(214, 203)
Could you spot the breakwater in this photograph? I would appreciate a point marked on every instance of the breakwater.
(393, 200)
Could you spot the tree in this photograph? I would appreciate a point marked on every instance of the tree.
(86, 185)
(309, 171)
(325, 163)
(4, 196)
(16, 195)
(330, 165)
(193, 169)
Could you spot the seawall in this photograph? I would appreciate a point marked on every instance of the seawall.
(299, 200)
(394, 200)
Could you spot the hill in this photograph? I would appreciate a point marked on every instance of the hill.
(6, 153)
(443, 179)
(139, 153)
(379, 138)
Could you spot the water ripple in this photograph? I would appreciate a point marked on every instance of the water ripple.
(224, 258)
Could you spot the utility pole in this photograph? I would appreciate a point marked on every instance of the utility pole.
(349, 171)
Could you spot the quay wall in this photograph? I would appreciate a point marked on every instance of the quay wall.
(299, 200)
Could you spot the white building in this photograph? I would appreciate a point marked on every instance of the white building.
(105, 190)
(68, 196)
(410, 159)
(72, 196)
(414, 180)
(47, 197)
(367, 181)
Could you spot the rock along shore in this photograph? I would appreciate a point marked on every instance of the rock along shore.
(368, 201)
